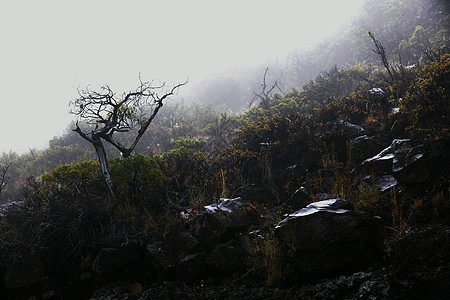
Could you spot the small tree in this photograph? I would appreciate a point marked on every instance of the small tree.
(381, 51)
(109, 114)
(3, 172)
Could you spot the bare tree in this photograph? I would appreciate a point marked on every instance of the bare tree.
(109, 114)
(265, 95)
(3, 172)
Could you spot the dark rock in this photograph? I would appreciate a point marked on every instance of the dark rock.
(410, 165)
(220, 222)
(350, 129)
(192, 268)
(422, 257)
(407, 163)
(364, 147)
(256, 191)
(377, 92)
(208, 228)
(326, 237)
(118, 260)
(322, 196)
(399, 124)
(360, 285)
(228, 258)
(381, 182)
(383, 161)
(307, 162)
(169, 249)
(299, 199)
(119, 291)
(18, 276)
(227, 205)
(14, 205)
(339, 127)
(172, 290)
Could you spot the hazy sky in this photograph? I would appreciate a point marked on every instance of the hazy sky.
(51, 48)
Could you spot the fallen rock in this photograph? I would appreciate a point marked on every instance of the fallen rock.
(327, 237)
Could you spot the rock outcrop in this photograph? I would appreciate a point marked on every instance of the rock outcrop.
(327, 236)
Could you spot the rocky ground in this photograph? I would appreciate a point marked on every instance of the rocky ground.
(417, 267)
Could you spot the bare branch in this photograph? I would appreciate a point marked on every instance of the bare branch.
(82, 134)
(380, 50)
(265, 96)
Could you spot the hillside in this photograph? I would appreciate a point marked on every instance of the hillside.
(335, 190)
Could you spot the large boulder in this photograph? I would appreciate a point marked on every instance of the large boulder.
(408, 163)
(326, 237)
(220, 222)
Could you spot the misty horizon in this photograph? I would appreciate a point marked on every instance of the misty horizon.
(54, 49)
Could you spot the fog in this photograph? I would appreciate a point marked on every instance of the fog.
(52, 48)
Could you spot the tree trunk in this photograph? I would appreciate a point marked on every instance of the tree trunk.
(101, 153)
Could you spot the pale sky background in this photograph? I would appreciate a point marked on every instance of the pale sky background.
(51, 48)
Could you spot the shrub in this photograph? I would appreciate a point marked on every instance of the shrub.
(67, 215)
(191, 176)
(428, 100)
(137, 179)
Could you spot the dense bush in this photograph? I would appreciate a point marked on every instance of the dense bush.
(137, 179)
(191, 175)
(67, 214)
(428, 99)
